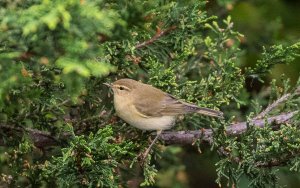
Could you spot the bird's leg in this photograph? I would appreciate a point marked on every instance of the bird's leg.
(158, 133)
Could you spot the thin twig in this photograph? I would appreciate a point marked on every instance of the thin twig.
(272, 163)
(60, 104)
(158, 34)
(222, 151)
(272, 106)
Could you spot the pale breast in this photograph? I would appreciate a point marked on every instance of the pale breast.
(129, 113)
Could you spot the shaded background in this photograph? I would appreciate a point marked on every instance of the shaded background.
(263, 23)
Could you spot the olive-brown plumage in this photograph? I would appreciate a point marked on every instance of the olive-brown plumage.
(149, 108)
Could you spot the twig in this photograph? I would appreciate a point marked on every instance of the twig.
(60, 104)
(272, 106)
(222, 151)
(272, 163)
(158, 34)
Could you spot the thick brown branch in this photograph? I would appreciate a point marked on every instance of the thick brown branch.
(44, 139)
(158, 34)
(206, 135)
(40, 139)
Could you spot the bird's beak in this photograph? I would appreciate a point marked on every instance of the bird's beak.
(109, 85)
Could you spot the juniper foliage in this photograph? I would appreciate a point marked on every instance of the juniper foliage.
(55, 55)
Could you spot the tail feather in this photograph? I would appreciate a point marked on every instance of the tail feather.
(210, 112)
(190, 108)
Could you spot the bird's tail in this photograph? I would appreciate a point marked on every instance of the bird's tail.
(209, 112)
(191, 108)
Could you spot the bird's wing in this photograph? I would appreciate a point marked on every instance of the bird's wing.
(155, 103)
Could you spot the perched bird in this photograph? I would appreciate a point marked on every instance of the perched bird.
(148, 108)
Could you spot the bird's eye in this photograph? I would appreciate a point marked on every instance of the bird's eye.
(121, 88)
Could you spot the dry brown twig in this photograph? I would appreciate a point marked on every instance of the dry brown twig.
(272, 106)
(159, 34)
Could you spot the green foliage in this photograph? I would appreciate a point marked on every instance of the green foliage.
(64, 37)
(277, 54)
(90, 161)
(56, 55)
(258, 152)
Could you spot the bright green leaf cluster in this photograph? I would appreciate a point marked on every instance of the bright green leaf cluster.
(277, 54)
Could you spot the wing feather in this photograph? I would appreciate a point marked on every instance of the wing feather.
(156, 103)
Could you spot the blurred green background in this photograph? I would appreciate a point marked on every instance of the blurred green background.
(263, 23)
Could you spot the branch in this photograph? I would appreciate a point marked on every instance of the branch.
(206, 135)
(159, 33)
(40, 139)
(43, 139)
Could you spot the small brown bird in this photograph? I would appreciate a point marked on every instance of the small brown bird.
(148, 108)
